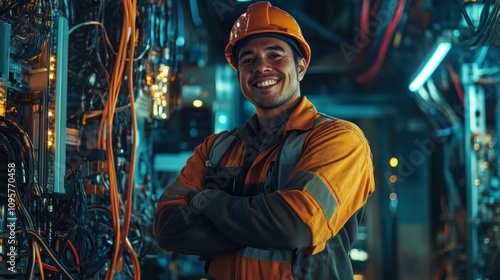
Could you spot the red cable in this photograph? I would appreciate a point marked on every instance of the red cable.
(456, 82)
(75, 253)
(365, 7)
(424, 17)
(385, 44)
(366, 16)
(50, 267)
(363, 42)
(73, 249)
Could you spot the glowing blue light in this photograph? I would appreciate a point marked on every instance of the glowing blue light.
(222, 119)
(442, 49)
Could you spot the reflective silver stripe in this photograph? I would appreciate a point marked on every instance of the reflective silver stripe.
(282, 256)
(318, 189)
(222, 143)
(289, 156)
(292, 151)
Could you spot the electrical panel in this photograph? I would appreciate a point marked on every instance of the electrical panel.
(71, 82)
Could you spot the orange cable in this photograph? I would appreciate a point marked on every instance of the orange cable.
(129, 200)
(111, 105)
(121, 231)
(128, 25)
(135, 261)
(128, 203)
(39, 261)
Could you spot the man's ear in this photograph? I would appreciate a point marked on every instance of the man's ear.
(301, 68)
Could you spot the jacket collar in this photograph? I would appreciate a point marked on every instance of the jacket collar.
(301, 118)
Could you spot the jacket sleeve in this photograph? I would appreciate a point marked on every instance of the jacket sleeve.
(263, 221)
(330, 183)
(178, 228)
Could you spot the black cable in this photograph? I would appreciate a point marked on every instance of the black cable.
(30, 271)
(18, 135)
(52, 255)
(31, 27)
(13, 5)
(488, 24)
(64, 243)
(484, 15)
(26, 143)
(89, 234)
(492, 25)
(8, 148)
(21, 209)
(466, 15)
(5, 143)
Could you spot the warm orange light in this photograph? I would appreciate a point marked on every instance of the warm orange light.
(393, 178)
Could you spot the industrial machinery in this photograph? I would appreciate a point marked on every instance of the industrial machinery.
(71, 206)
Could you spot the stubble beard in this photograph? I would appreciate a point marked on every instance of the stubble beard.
(276, 102)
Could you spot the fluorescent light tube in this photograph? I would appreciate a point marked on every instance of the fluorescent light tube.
(440, 52)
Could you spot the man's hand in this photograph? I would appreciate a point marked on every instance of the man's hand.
(201, 200)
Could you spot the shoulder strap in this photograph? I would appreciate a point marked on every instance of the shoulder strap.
(221, 145)
(291, 151)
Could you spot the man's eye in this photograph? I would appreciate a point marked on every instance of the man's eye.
(246, 61)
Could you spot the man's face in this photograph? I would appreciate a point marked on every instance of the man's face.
(268, 74)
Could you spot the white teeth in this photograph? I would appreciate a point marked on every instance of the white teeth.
(266, 83)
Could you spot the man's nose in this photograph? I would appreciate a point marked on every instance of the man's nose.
(262, 66)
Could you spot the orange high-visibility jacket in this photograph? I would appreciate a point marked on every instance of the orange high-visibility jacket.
(250, 229)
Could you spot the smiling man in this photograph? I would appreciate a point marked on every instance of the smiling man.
(282, 196)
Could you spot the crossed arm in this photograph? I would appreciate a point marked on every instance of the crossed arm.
(313, 207)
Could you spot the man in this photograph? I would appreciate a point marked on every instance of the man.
(247, 225)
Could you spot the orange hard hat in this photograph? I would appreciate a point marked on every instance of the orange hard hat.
(262, 17)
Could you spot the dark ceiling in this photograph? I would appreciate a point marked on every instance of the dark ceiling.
(382, 59)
